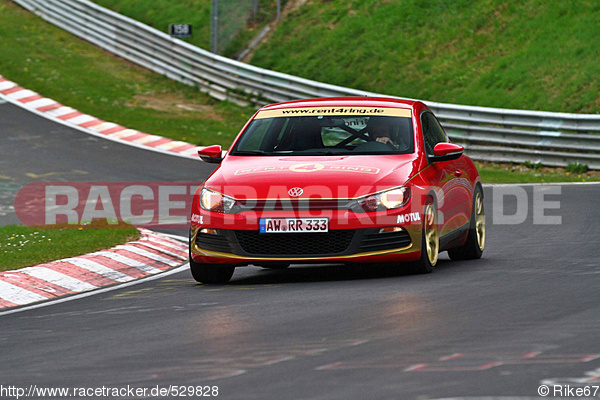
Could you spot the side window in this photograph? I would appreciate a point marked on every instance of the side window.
(433, 133)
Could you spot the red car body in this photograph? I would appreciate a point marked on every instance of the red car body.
(415, 199)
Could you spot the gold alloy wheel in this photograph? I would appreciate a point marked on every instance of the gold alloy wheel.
(480, 220)
(432, 238)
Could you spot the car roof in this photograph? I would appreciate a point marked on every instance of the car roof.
(346, 102)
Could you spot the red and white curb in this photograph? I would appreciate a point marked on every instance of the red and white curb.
(151, 254)
(55, 111)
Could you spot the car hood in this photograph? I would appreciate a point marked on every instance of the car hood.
(271, 177)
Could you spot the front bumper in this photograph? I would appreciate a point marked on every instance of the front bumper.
(234, 239)
(241, 247)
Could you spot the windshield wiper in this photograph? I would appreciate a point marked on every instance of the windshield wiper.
(250, 153)
(260, 152)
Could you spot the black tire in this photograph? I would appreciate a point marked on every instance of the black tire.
(473, 247)
(211, 273)
(430, 241)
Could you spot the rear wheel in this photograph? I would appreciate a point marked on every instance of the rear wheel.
(210, 273)
(473, 247)
(430, 241)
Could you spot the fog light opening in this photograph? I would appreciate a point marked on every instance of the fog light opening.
(208, 231)
(391, 229)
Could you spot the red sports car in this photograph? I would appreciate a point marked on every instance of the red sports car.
(336, 180)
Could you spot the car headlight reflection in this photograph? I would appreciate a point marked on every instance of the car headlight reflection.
(216, 202)
(388, 200)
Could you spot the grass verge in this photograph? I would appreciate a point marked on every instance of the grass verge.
(22, 246)
(514, 173)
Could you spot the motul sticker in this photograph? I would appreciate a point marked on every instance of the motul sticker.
(410, 217)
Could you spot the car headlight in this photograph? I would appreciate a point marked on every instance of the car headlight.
(388, 200)
(216, 202)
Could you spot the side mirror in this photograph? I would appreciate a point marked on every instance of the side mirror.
(211, 154)
(446, 152)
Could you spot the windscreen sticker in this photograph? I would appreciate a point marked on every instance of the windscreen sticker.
(328, 111)
(309, 167)
(357, 123)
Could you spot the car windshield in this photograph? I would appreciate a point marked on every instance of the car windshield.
(326, 135)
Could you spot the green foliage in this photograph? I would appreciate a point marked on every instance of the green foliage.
(530, 165)
(576, 168)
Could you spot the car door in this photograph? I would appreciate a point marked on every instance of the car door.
(452, 196)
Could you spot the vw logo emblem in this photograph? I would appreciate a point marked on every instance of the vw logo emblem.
(295, 192)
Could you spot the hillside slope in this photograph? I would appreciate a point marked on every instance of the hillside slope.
(534, 54)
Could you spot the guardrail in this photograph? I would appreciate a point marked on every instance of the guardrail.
(488, 134)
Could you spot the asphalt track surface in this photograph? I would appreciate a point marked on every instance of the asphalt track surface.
(528, 312)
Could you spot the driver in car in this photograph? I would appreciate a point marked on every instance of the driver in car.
(380, 129)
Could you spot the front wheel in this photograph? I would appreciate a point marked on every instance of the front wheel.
(430, 241)
(210, 273)
(473, 247)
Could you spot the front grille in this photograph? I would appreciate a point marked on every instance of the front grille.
(375, 241)
(213, 242)
(296, 204)
(290, 244)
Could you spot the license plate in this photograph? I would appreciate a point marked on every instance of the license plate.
(294, 225)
